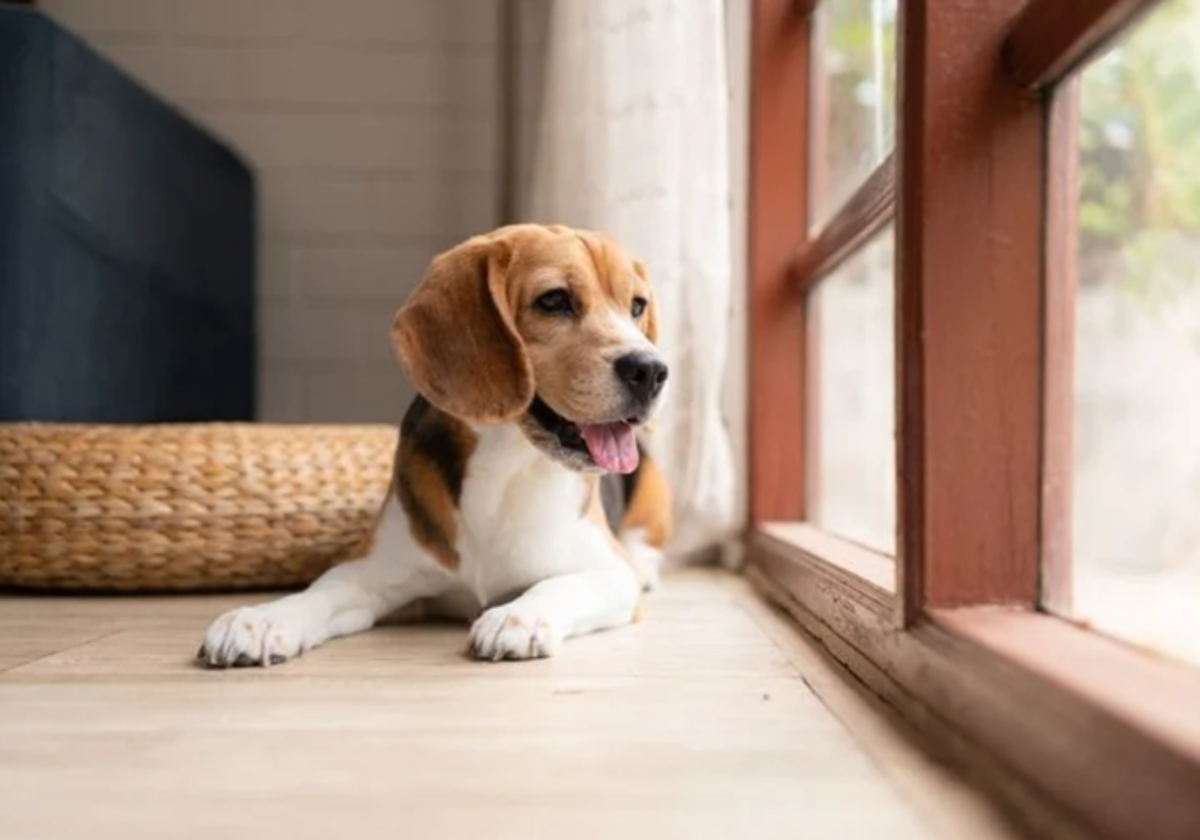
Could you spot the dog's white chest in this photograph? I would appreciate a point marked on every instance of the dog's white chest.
(522, 518)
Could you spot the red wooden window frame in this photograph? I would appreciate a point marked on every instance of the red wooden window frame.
(982, 193)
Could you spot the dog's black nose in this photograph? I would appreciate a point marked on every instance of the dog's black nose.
(643, 374)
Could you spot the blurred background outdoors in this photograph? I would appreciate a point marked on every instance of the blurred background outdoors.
(1136, 526)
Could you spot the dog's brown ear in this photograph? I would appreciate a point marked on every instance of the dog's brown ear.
(456, 339)
(651, 320)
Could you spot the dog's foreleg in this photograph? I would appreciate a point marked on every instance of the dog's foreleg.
(535, 624)
(349, 598)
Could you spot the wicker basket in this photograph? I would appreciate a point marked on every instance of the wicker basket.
(185, 507)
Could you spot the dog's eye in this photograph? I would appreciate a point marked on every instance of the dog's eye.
(639, 307)
(555, 302)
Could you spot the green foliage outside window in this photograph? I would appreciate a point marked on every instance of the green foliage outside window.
(1139, 139)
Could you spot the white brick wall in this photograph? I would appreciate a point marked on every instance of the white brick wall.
(531, 22)
(373, 126)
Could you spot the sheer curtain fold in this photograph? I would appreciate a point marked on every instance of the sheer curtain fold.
(632, 139)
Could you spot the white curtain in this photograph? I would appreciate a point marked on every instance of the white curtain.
(632, 139)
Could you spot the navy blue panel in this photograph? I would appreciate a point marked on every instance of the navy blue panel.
(127, 245)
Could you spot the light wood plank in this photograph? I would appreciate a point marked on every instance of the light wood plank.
(696, 723)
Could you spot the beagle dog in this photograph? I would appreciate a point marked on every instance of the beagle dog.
(522, 498)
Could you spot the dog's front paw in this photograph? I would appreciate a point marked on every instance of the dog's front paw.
(265, 635)
(514, 631)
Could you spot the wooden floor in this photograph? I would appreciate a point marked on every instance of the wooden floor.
(710, 719)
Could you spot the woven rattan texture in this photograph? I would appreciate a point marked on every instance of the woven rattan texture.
(187, 508)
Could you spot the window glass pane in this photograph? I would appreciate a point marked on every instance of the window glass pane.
(853, 392)
(1136, 494)
(854, 98)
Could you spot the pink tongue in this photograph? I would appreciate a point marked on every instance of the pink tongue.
(613, 446)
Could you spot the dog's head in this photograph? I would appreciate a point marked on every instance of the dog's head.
(548, 327)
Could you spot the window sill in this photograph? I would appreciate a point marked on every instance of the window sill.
(877, 571)
(1087, 723)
